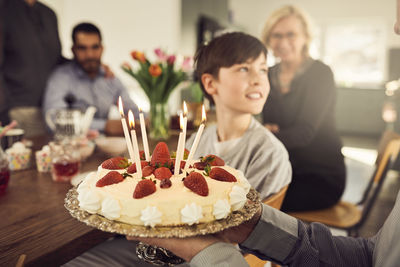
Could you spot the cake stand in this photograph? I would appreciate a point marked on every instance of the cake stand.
(157, 255)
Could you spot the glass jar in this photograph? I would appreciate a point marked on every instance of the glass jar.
(4, 171)
(65, 163)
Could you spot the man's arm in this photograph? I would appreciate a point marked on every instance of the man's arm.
(276, 237)
(211, 256)
(281, 238)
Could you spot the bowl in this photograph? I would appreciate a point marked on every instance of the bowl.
(86, 150)
(112, 146)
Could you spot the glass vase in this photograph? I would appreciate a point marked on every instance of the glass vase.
(159, 121)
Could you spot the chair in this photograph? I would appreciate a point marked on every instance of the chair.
(348, 216)
(274, 201)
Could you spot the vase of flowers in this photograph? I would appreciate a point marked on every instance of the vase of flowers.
(158, 79)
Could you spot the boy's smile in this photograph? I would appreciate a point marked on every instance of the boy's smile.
(243, 87)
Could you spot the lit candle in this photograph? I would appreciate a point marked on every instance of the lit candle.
(135, 143)
(125, 128)
(144, 135)
(197, 138)
(180, 148)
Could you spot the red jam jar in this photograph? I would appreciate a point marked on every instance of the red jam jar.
(4, 172)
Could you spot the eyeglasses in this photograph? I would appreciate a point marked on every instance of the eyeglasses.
(291, 36)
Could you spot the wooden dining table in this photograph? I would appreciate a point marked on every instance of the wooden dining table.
(35, 223)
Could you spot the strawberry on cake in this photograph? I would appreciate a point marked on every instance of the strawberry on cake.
(206, 191)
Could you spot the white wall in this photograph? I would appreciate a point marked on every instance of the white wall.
(251, 14)
(146, 24)
(125, 25)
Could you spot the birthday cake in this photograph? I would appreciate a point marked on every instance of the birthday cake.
(204, 191)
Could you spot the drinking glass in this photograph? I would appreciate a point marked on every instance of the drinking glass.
(65, 160)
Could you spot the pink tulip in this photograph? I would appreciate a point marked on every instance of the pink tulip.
(126, 65)
(160, 54)
(187, 64)
(171, 59)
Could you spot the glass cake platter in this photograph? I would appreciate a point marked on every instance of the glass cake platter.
(156, 255)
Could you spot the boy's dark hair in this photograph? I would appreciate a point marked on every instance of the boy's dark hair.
(225, 51)
(85, 27)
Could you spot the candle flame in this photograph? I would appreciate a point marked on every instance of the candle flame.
(131, 119)
(185, 110)
(181, 120)
(140, 109)
(120, 107)
(203, 114)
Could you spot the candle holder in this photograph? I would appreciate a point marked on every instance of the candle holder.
(157, 255)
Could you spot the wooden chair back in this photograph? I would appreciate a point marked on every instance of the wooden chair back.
(349, 216)
(387, 150)
(21, 261)
(276, 199)
(386, 137)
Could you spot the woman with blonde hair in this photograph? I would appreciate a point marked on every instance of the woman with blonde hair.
(301, 112)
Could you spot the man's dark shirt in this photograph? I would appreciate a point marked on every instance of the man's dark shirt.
(29, 50)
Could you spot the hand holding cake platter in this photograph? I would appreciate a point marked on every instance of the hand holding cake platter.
(206, 197)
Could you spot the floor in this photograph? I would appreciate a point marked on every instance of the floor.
(360, 153)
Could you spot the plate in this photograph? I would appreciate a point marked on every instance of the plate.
(104, 224)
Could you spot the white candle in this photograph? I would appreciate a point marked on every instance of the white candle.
(185, 112)
(180, 148)
(178, 158)
(125, 128)
(144, 135)
(197, 138)
(195, 144)
(135, 144)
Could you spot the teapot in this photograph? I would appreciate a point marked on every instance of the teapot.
(64, 122)
(69, 122)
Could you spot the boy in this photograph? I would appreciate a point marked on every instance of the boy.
(233, 74)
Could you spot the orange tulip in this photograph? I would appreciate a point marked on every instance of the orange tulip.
(155, 70)
(138, 56)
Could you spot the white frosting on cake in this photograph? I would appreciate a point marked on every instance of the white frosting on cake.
(238, 197)
(222, 208)
(88, 200)
(151, 216)
(110, 208)
(175, 205)
(245, 183)
(191, 213)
